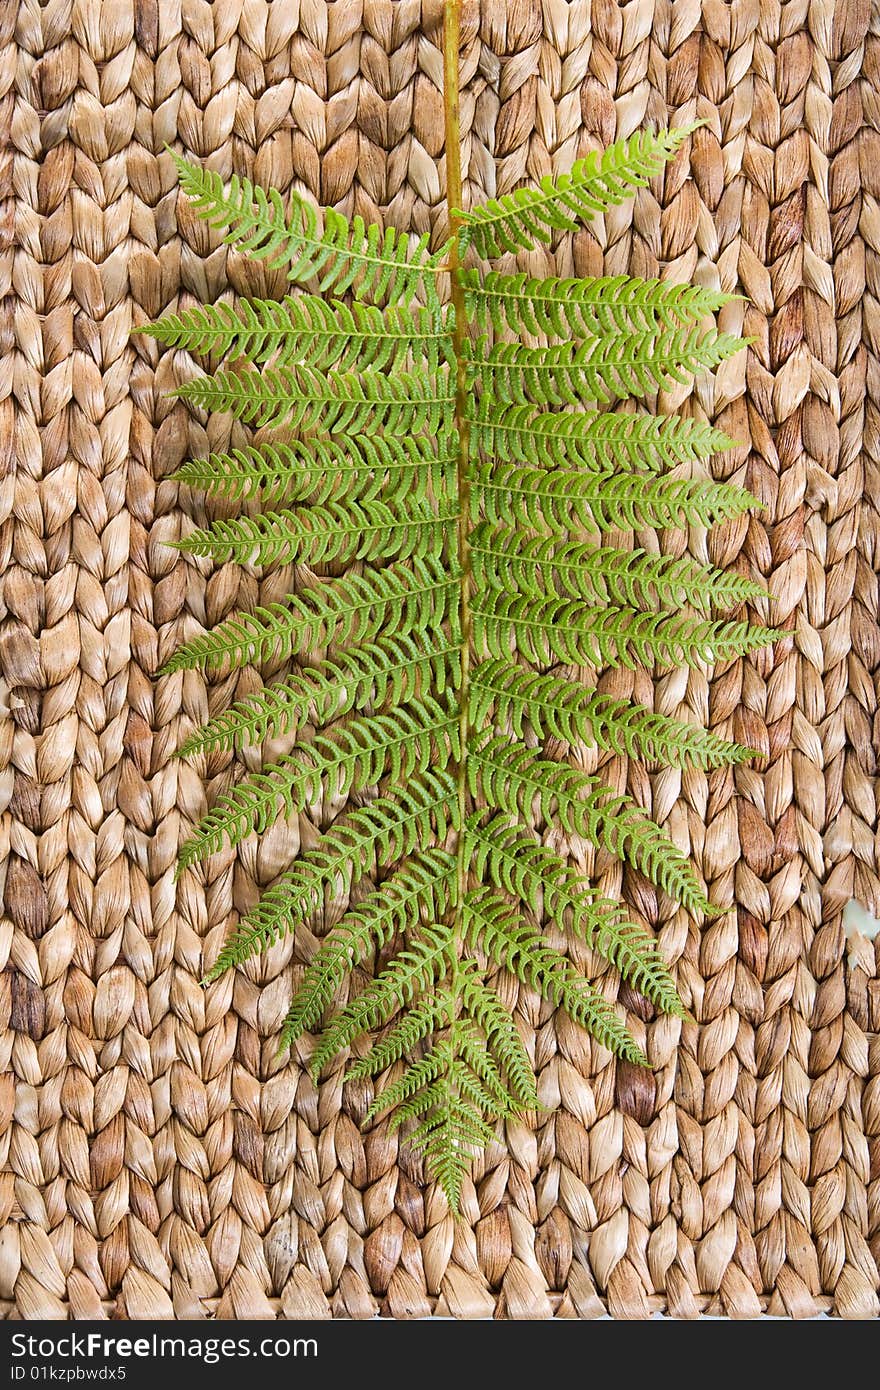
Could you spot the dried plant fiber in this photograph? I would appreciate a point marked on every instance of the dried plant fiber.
(157, 1161)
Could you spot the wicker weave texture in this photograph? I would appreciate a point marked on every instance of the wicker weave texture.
(158, 1160)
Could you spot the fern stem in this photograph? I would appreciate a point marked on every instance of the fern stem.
(451, 110)
(452, 124)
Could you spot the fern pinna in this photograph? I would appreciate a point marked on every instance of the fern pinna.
(483, 494)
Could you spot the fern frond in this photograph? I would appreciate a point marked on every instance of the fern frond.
(516, 863)
(386, 672)
(387, 830)
(406, 741)
(343, 402)
(556, 501)
(417, 1076)
(602, 444)
(420, 887)
(470, 1045)
(452, 1135)
(549, 630)
(415, 1092)
(316, 470)
(470, 1085)
(411, 972)
(485, 1008)
(354, 608)
(425, 1101)
(413, 1026)
(551, 705)
(599, 369)
(466, 510)
(490, 923)
(504, 559)
(613, 306)
(316, 535)
(518, 220)
(536, 875)
(343, 256)
(514, 779)
(312, 332)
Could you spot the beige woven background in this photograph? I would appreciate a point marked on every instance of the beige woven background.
(154, 1166)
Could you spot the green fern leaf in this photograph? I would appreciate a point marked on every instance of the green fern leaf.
(312, 332)
(417, 1023)
(490, 923)
(483, 1006)
(417, 1076)
(504, 559)
(556, 501)
(470, 1045)
(317, 470)
(343, 256)
(413, 971)
(513, 861)
(602, 444)
(451, 1136)
(536, 875)
(348, 758)
(514, 780)
(355, 608)
(389, 829)
(518, 220)
(549, 630)
(386, 672)
(316, 535)
(614, 306)
(471, 1087)
(421, 886)
(344, 402)
(597, 370)
(467, 518)
(415, 1091)
(552, 706)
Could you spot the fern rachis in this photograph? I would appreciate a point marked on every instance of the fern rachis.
(475, 485)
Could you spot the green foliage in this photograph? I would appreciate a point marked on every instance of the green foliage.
(340, 256)
(504, 558)
(386, 673)
(554, 706)
(355, 607)
(423, 884)
(514, 779)
(548, 630)
(534, 497)
(320, 470)
(602, 444)
(389, 829)
(468, 485)
(351, 756)
(491, 924)
(342, 402)
(516, 221)
(596, 370)
(310, 331)
(607, 308)
(338, 531)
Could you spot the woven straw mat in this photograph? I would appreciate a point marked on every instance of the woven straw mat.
(159, 1162)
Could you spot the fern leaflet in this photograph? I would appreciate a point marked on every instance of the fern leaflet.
(603, 308)
(311, 332)
(519, 220)
(342, 256)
